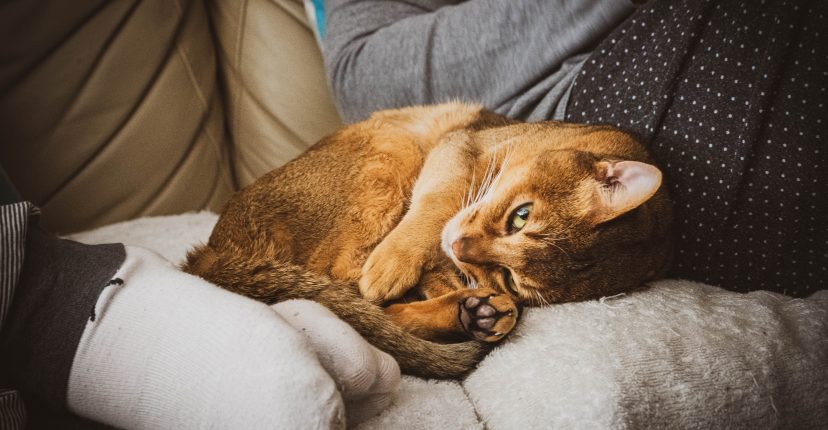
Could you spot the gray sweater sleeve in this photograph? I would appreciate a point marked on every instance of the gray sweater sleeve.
(516, 57)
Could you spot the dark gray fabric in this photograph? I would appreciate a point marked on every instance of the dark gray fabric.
(43, 417)
(517, 57)
(8, 194)
(730, 97)
(59, 285)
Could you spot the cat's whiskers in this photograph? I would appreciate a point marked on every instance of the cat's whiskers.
(549, 232)
(468, 200)
(555, 237)
(497, 178)
(487, 178)
(551, 242)
(540, 299)
(492, 180)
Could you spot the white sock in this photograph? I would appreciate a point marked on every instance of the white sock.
(366, 376)
(169, 350)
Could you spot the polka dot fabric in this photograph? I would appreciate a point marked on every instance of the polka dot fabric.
(730, 97)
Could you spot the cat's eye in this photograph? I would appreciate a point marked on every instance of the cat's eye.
(509, 281)
(519, 217)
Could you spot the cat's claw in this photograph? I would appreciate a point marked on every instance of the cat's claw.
(488, 318)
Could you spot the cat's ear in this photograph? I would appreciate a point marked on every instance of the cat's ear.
(621, 186)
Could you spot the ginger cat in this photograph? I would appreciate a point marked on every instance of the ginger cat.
(412, 205)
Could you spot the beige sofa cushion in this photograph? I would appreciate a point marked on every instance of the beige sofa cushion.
(110, 110)
(278, 103)
(113, 110)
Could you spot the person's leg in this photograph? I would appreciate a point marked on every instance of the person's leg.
(367, 377)
(730, 99)
(122, 337)
(165, 349)
(42, 314)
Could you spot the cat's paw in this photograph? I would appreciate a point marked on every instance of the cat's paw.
(390, 271)
(487, 315)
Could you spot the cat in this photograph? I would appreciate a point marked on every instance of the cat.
(411, 206)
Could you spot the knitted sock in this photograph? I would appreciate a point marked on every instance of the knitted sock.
(366, 376)
(164, 349)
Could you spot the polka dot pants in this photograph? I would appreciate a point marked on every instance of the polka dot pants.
(730, 98)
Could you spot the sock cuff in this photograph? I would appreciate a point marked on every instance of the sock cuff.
(59, 284)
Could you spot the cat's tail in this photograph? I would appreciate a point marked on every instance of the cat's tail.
(269, 280)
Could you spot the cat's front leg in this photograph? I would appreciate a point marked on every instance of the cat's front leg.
(482, 314)
(411, 248)
(394, 266)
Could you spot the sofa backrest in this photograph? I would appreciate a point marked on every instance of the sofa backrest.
(114, 110)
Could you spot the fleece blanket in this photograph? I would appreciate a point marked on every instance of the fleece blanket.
(675, 354)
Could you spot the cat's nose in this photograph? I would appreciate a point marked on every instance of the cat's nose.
(471, 250)
(462, 249)
(457, 247)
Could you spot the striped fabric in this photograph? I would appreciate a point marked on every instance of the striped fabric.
(13, 225)
(12, 412)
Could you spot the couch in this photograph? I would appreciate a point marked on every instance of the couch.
(115, 110)
(123, 133)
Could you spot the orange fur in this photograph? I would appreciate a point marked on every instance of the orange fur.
(370, 207)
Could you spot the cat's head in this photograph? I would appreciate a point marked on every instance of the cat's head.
(589, 218)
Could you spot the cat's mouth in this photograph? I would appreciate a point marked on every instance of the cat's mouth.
(447, 237)
(466, 271)
(445, 244)
(509, 282)
(467, 280)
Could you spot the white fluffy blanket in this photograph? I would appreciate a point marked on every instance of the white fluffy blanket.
(675, 355)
